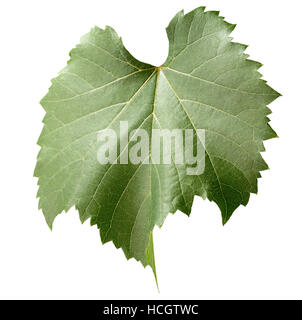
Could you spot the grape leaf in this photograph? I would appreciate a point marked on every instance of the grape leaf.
(206, 82)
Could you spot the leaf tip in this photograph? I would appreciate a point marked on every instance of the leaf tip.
(225, 220)
(49, 223)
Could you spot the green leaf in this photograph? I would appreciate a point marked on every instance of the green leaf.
(206, 82)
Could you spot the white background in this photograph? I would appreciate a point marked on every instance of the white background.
(257, 255)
